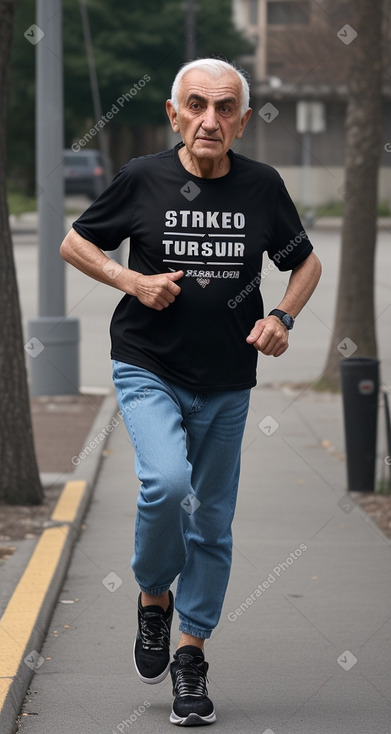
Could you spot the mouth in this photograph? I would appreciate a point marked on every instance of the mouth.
(207, 140)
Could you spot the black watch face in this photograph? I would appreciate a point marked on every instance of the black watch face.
(288, 321)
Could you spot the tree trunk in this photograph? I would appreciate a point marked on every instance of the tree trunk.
(130, 141)
(19, 476)
(354, 317)
(120, 145)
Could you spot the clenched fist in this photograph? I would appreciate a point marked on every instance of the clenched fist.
(269, 336)
(158, 291)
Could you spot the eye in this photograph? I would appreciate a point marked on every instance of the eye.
(224, 109)
(195, 106)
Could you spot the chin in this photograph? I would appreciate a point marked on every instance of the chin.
(208, 151)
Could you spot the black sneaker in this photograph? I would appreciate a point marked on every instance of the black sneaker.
(151, 652)
(191, 706)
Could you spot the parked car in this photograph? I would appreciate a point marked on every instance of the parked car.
(84, 172)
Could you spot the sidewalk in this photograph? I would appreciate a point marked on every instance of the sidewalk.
(304, 642)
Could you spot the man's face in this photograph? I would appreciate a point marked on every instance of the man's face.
(209, 113)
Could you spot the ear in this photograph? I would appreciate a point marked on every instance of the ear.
(243, 122)
(172, 115)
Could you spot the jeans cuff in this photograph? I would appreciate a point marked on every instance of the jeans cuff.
(155, 591)
(189, 629)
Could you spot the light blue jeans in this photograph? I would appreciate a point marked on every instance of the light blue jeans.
(187, 448)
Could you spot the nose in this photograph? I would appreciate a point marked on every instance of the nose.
(209, 122)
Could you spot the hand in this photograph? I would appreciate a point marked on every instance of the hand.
(269, 336)
(158, 291)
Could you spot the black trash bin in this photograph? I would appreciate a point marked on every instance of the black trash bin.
(360, 389)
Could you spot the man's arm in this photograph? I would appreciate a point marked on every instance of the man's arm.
(155, 291)
(269, 335)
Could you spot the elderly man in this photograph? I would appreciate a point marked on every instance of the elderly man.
(185, 340)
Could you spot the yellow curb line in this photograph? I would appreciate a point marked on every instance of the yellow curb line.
(20, 616)
(23, 609)
(69, 501)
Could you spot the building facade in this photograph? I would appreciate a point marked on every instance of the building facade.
(298, 74)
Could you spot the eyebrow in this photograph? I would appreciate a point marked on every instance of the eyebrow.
(199, 98)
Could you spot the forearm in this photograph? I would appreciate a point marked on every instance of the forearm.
(269, 335)
(155, 291)
(89, 259)
(302, 283)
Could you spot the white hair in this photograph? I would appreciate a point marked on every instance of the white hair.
(216, 68)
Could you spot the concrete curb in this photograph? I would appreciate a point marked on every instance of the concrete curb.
(27, 616)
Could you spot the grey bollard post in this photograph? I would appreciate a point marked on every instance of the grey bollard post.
(52, 348)
(360, 389)
(53, 339)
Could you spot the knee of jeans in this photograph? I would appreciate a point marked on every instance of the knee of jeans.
(170, 487)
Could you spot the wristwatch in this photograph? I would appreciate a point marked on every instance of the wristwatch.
(286, 318)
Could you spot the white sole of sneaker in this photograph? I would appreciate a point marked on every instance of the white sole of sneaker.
(150, 681)
(192, 719)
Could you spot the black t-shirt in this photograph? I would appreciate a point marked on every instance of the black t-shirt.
(216, 231)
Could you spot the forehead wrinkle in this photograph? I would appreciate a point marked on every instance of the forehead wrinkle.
(199, 88)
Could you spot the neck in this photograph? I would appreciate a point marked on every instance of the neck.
(204, 167)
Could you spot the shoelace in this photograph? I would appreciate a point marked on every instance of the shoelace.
(190, 681)
(154, 632)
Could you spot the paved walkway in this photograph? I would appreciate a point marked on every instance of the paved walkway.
(304, 642)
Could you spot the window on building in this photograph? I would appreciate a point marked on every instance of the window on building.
(288, 13)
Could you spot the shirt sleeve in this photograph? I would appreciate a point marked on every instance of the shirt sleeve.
(290, 243)
(107, 222)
